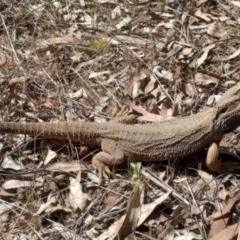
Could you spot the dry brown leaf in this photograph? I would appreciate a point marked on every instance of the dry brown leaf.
(77, 57)
(110, 198)
(48, 103)
(229, 84)
(5, 193)
(31, 115)
(84, 151)
(168, 233)
(3, 59)
(195, 27)
(65, 167)
(80, 198)
(186, 51)
(52, 199)
(89, 62)
(82, 3)
(226, 209)
(234, 55)
(219, 224)
(54, 208)
(136, 88)
(222, 192)
(217, 30)
(45, 43)
(204, 79)
(65, 232)
(190, 89)
(151, 85)
(124, 226)
(230, 69)
(116, 12)
(11, 184)
(50, 156)
(147, 116)
(206, 179)
(227, 234)
(162, 73)
(138, 109)
(221, 214)
(77, 94)
(167, 109)
(201, 15)
(211, 100)
(79, 176)
(131, 40)
(156, 92)
(221, 218)
(200, 2)
(98, 75)
(139, 215)
(71, 201)
(9, 163)
(4, 208)
(17, 80)
(191, 20)
(147, 209)
(203, 57)
(236, 3)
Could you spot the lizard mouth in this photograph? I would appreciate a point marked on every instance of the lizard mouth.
(228, 118)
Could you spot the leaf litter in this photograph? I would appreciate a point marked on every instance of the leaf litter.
(84, 61)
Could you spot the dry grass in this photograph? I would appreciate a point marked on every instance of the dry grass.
(67, 60)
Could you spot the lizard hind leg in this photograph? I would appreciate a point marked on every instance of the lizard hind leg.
(110, 155)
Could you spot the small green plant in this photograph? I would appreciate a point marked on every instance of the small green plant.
(136, 173)
(195, 67)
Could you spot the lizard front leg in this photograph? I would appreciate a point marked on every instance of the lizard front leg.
(110, 155)
(213, 162)
(129, 119)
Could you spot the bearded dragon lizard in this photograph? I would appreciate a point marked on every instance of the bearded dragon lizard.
(146, 142)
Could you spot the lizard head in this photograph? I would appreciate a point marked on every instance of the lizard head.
(228, 110)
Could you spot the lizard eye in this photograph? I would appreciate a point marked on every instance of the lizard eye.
(222, 111)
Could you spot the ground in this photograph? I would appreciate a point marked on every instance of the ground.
(86, 60)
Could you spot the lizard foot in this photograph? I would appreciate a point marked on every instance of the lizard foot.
(102, 160)
(223, 166)
(229, 166)
(103, 170)
(122, 113)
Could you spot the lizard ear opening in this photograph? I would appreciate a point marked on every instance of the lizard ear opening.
(222, 111)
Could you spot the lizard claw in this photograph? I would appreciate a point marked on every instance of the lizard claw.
(103, 170)
(229, 166)
(122, 113)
